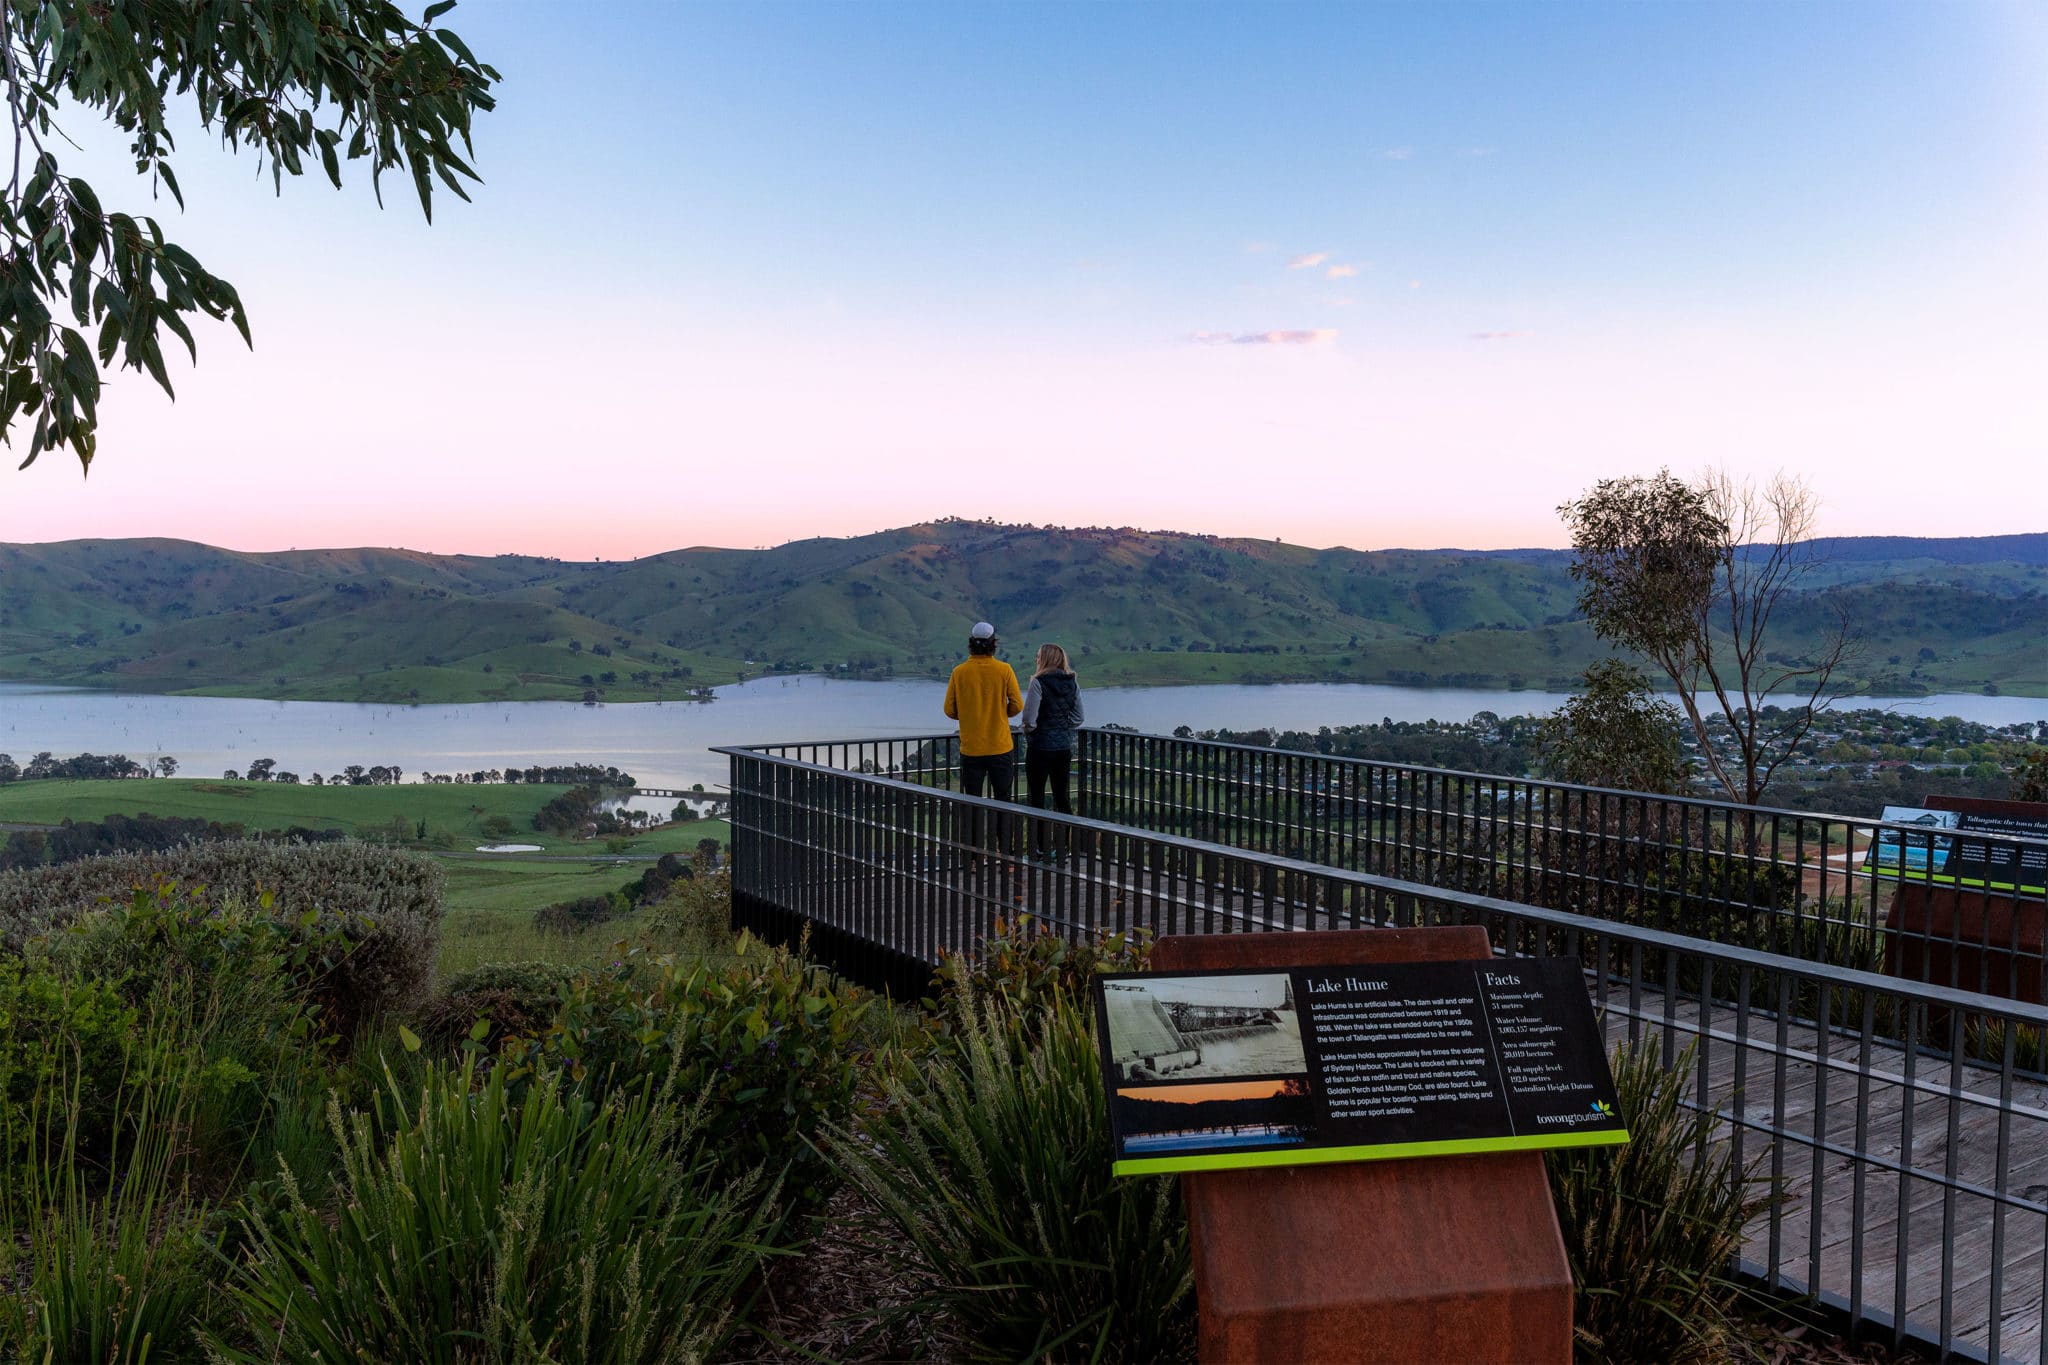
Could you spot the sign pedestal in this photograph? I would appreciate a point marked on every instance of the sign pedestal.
(1441, 1258)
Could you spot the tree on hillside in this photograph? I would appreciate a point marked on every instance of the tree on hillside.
(1615, 733)
(1690, 576)
(166, 766)
(293, 81)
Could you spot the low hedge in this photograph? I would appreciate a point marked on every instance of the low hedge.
(385, 903)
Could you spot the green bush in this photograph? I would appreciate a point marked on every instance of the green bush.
(1652, 1228)
(516, 997)
(767, 1041)
(1024, 970)
(95, 1002)
(494, 1225)
(692, 913)
(573, 917)
(994, 1177)
(1023, 965)
(63, 1052)
(386, 905)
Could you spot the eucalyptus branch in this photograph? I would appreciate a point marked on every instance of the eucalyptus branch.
(288, 80)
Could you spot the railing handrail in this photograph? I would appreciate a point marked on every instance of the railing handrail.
(1707, 803)
(1923, 992)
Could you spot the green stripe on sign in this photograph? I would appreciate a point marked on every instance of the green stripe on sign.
(1946, 879)
(1389, 1151)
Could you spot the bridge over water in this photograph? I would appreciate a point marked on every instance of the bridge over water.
(1879, 1075)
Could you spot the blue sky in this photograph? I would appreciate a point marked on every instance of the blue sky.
(1370, 274)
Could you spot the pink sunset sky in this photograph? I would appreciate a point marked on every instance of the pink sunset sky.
(1364, 275)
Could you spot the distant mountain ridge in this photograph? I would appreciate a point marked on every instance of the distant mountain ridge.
(1136, 606)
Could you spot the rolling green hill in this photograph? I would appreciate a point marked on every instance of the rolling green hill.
(396, 625)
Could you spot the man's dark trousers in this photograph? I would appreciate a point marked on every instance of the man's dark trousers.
(996, 772)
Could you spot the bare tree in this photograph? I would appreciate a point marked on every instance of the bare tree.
(1691, 576)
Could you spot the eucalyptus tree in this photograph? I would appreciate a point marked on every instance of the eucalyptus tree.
(1699, 579)
(292, 82)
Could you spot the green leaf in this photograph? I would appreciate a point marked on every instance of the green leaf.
(410, 1039)
(479, 1030)
(435, 11)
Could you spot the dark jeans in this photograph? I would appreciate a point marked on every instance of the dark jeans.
(997, 772)
(1042, 767)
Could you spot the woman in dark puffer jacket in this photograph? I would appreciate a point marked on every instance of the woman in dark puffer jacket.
(1052, 713)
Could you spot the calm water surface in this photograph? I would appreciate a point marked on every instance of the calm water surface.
(665, 743)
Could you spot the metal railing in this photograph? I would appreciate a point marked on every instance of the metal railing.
(1793, 882)
(1904, 1121)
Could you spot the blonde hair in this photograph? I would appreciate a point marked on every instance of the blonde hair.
(1053, 659)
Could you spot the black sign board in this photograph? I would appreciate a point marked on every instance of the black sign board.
(1935, 847)
(1277, 1067)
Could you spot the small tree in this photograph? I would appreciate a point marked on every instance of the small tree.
(1690, 576)
(1616, 734)
(2030, 776)
(166, 766)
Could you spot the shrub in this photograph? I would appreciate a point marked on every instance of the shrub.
(693, 917)
(573, 917)
(516, 997)
(241, 986)
(766, 1041)
(494, 1225)
(1652, 1228)
(386, 904)
(1023, 970)
(994, 1177)
(58, 1037)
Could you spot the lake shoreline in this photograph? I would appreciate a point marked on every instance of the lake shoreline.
(669, 745)
(637, 696)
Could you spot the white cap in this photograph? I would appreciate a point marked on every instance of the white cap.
(982, 631)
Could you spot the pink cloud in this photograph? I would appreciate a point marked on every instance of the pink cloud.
(1497, 336)
(1308, 261)
(1312, 336)
(1340, 272)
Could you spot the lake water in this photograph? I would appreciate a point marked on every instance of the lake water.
(664, 743)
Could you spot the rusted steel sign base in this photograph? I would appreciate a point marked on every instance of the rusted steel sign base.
(1439, 1259)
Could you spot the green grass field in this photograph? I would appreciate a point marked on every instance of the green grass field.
(490, 900)
(455, 815)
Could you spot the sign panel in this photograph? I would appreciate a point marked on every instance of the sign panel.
(1930, 849)
(1222, 1070)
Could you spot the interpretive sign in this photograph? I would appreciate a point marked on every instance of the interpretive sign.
(1935, 847)
(1223, 1070)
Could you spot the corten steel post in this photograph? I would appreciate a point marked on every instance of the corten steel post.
(1455, 1259)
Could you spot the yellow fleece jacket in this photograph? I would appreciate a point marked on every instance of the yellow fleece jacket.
(982, 696)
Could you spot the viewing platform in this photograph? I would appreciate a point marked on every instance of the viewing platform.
(1889, 1077)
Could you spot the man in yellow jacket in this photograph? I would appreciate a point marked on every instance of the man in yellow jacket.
(982, 696)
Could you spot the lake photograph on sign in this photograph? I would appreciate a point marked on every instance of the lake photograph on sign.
(1227, 1069)
(1226, 1114)
(1203, 1027)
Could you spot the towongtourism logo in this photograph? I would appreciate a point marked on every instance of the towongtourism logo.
(1600, 1111)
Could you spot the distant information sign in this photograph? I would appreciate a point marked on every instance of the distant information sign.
(1929, 849)
(1221, 1070)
